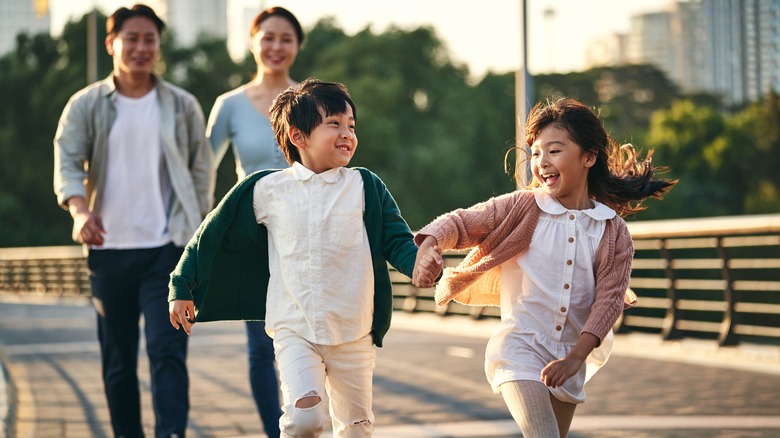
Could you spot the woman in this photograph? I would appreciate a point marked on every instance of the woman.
(240, 118)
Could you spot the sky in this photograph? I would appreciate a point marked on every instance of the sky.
(484, 35)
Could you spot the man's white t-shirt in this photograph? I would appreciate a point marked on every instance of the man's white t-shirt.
(137, 191)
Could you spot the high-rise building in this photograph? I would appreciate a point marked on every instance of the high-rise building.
(20, 17)
(742, 48)
(240, 15)
(687, 39)
(650, 41)
(188, 19)
(761, 51)
(608, 50)
(730, 48)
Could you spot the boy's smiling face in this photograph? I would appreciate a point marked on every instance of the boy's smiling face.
(331, 144)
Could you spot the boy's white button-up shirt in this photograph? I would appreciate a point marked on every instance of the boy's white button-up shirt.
(322, 282)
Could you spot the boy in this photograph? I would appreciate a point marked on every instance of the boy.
(315, 268)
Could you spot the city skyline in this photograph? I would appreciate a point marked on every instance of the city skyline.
(486, 38)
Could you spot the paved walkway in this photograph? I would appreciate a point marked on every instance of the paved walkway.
(429, 383)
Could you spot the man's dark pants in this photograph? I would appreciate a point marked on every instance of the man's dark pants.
(126, 284)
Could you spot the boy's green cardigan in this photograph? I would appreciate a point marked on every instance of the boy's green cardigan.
(224, 267)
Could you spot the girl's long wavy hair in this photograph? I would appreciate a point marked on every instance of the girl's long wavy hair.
(620, 178)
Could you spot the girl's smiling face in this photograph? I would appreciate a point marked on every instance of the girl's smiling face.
(561, 167)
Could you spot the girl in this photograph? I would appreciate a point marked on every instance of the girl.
(240, 118)
(556, 257)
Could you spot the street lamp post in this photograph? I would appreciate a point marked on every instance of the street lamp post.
(92, 46)
(549, 16)
(522, 100)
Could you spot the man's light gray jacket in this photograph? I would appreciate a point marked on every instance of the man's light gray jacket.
(81, 143)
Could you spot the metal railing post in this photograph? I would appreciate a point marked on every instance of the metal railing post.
(669, 329)
(727, 336)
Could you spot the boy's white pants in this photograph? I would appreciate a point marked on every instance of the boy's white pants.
(344, 372)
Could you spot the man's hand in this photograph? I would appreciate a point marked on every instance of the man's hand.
(87, 226)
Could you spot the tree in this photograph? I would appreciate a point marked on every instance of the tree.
(437, 138)
(753, 157)
(679, 135)
(625, 96)
(726, 163)
(37, 79)
(418, 118)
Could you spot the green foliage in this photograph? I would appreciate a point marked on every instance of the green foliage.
(421, 126)
(625, 97)
(437, 138)
(37, 79)
(726, 164)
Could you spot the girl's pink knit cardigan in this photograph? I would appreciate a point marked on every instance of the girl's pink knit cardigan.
(500, 229)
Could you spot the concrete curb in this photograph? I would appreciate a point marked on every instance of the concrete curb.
(44, 299)
(3, 402)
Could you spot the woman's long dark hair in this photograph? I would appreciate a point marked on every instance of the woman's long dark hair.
(619, 179)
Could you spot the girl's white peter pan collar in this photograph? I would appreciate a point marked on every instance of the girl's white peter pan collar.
(550, 205)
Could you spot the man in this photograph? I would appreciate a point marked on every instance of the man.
(134, 169)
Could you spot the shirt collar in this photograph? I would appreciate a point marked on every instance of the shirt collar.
(550, 205)
(109, 85)
(303, 173)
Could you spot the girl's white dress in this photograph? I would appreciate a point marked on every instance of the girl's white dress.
(546, 297)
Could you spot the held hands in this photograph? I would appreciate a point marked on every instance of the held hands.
(428, 264)
(182, 314)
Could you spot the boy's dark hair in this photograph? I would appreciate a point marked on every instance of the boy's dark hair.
(117, 19)
(277, 11)
(300, 105)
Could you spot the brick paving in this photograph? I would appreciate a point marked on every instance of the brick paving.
(422, 377)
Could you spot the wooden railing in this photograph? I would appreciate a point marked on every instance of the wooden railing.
(56, 271)
(715, 278)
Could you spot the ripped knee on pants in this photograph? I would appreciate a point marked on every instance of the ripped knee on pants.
(309, 400)
(305, 418)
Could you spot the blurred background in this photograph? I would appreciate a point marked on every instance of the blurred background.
(434, 82)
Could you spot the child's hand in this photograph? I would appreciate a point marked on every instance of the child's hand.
(182, 314)
(428, 264)
(558, 371)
